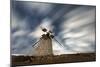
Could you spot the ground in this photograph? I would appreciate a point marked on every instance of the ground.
(52, 59)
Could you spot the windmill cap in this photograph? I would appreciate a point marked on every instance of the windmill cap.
(44, 30)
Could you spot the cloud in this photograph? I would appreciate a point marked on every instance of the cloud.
(41, 8)
(79, 28)
(19, 34)
(45, 23)
(79, 18)
(76, 34)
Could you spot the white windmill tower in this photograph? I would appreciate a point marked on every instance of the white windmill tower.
(44, 45)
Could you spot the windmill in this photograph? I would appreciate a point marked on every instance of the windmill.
(44, 45)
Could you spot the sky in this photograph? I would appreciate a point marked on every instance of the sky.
(72, 25)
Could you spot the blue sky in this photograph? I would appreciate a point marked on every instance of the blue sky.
(72, 25)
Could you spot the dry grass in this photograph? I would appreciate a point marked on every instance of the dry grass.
(52, 59)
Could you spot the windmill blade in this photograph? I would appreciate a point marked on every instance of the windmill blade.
(35, 43)
(58, 42)
(66, 48)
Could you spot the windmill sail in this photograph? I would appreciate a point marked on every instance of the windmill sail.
(34, 45)
(58, 42)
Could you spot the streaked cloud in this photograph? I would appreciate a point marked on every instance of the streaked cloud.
(72, 25)
(80, 29)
